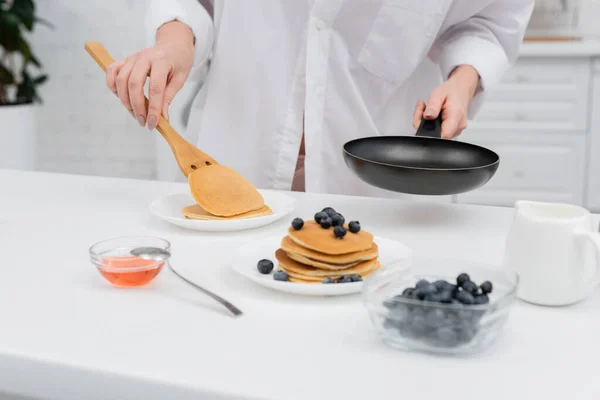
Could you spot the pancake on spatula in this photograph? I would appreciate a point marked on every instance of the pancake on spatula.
(299, 270)
(293, 249)
(313, 237)
(196, 212)
(223, 192)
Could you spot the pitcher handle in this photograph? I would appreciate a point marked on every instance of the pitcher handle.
(593, 277)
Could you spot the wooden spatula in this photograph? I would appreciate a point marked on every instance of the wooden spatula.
(188, 157)
(218, 189)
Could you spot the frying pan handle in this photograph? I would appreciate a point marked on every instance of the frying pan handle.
(431, 128)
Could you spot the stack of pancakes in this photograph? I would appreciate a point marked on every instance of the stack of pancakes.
(312, 254)
(223, 194)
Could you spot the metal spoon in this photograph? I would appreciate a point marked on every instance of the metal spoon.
(154, 253)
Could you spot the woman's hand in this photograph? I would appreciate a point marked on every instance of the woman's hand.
(167, 64)
(452, 99)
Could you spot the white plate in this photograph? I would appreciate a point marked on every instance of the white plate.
(169, 209)
(247, 256)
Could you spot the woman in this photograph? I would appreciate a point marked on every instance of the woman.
(289, 78)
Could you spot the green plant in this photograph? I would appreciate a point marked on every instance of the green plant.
(17, 85)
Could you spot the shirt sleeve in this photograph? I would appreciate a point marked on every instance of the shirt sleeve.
(191, 13)
(489, 41)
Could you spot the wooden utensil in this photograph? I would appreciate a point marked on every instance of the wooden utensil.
(218, 189)
(188, 157)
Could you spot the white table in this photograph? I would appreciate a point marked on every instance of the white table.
(66, 335)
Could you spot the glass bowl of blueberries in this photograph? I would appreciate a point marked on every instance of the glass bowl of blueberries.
(441, 305)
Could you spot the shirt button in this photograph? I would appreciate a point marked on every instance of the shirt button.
(321, 25)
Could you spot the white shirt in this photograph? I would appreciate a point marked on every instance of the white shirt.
(350, 68)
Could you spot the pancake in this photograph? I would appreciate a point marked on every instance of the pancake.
(313, 237)
(299, 278)
(290, 247)
(304, 279)
(223, 192)
(196, 211)
(318, 264)
(299, 270)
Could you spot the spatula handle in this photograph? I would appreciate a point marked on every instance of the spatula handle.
(187, 155)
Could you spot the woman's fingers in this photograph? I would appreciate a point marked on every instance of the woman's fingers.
(111, 75)
(454, 122)
(135, 86)
(166, 64)
(418, 114)
(156, 91)
(171, 90)
(123, 83)
(434, 105)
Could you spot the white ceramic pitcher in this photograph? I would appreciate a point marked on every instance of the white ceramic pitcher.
(555, 249)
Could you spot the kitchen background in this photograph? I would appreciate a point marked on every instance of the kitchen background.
(83, 130)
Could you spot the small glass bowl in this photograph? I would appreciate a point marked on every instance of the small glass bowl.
(412, 324)
(116, 264)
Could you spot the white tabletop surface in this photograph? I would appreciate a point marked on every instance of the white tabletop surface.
(66, 335)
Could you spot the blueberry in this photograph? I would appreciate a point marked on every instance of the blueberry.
(465, 297)
(407, 292)
(265, 266)
(429, 288)
(320, 216)
(328, 280)
(337, 220)
(339, 232)
(441, 285)
(418, 294)
(422, 283)
(345, 279)
(326, 223)
(356, 278)
(329, 211)
(446, 337)
(486, 287)
(280, 276)
(297, 223)
(470, 287)
(433, 297)
(445, 296)
(354, 226)
(419, 324)
(482, 299)
(462, 278)
(436, 317)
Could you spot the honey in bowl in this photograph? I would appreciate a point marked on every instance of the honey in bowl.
(113, 259)
(129, 271)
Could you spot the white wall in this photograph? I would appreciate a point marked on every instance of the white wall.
(83, 128)
(590, 15)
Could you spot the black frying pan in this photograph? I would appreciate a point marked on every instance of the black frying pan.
(423, 164)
